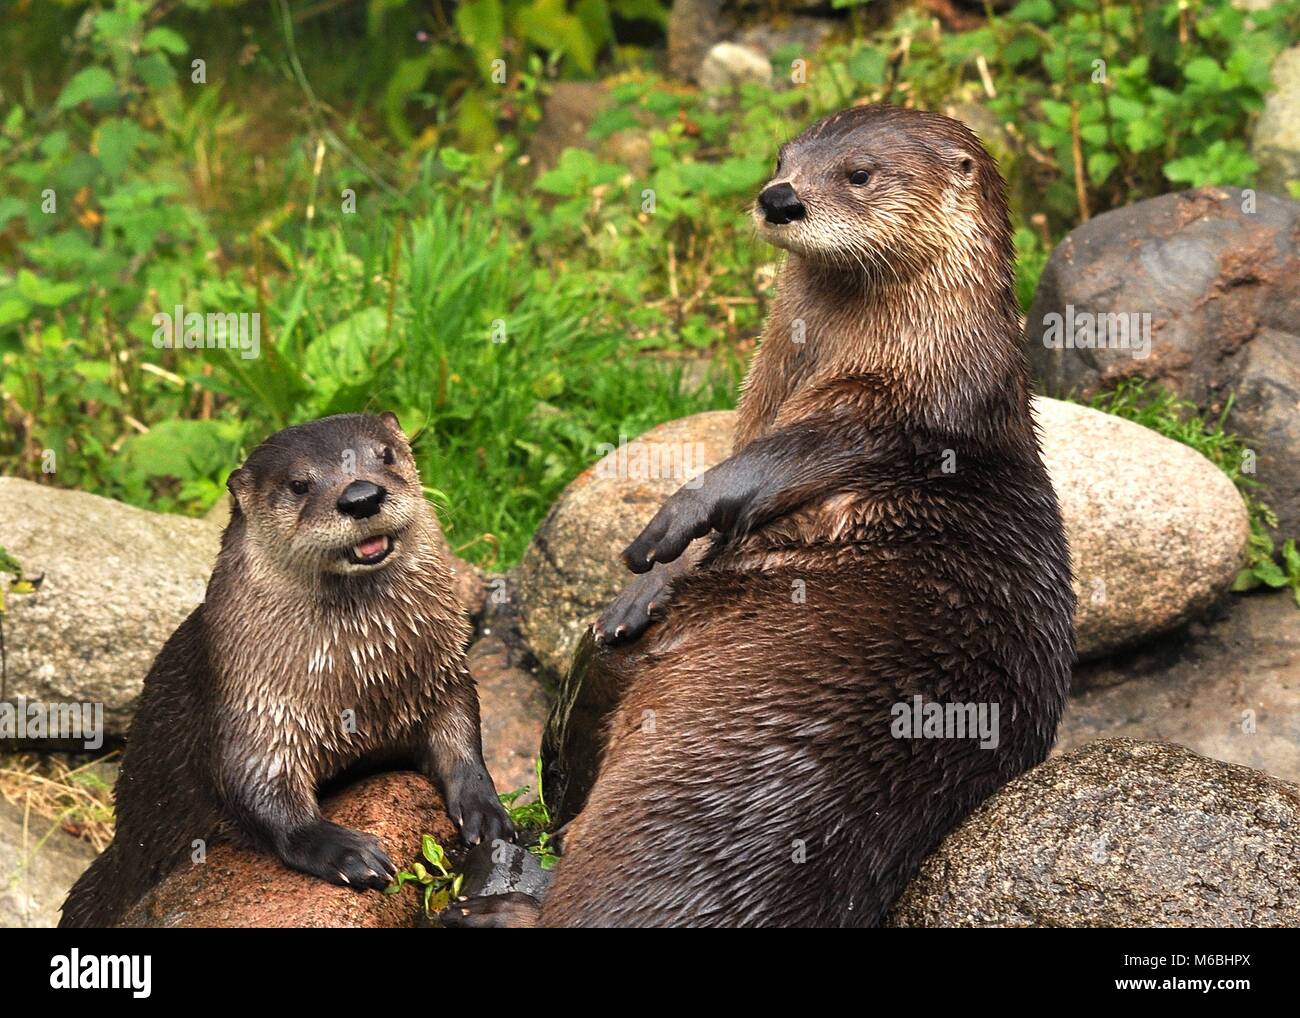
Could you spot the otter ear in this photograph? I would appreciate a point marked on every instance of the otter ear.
(962, 163)
(237, 483)
(391, 422)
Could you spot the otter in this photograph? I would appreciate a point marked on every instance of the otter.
(739, 740)
(329, 640)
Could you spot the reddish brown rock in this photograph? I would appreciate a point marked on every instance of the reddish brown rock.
(513, 706)
(239, 887)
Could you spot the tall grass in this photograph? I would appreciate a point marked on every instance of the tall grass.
(510, 377)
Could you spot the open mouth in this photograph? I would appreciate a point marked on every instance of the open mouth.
(371, 551)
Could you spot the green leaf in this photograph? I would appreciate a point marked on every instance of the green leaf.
(1100, 166)
(1040, 12)
(1203, 71)
(1270, 572)
(87, 84)
(350, 351)
(1144, 135)
(482, 25)
(155, 71)
(115, 142)
(42, 291)
(547, 25)
(164, 39)
(181, 449)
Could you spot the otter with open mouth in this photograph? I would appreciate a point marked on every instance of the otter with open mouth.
(330, 640)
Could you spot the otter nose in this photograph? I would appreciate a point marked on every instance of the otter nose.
(361, 499)
(780, 204)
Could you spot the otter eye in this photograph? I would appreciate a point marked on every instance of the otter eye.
(386, 454)
(859, 177)
(299, 487)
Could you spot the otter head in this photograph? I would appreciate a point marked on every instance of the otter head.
(338, 495)
(885, 191)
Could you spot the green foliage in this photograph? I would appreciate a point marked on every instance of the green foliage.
(434, 303)
(1144, 96)
(532, 821)
(1164, 412)
(478, 54)
(21, 585)
(438, 883)
(516, 322)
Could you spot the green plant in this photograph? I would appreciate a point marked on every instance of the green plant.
(532, 821)
(438, 883)
(1268, 567)
(1103, 103)
(474, 52)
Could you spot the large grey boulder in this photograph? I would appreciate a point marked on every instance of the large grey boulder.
(1157, 532)
(117, 582)
(38, 865)
(1119, 833)
(1217, 272)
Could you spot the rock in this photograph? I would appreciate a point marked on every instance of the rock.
(504, 869)
(239, 887)
(513, 707)
(567, 114)
(1151, 549)
(1276, 141)
(118, 581)
(38, 866)
(697, 26)
(1222, 288)
(694, 27)
(729, 65)
(1228, 688)
(1119, 833)
(571, 568)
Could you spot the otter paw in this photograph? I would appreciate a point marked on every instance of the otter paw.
(474, 808)
(679, 521)
(513, 910)
(628, 615)
(341, 856)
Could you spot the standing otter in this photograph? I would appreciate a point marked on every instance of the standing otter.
(330, 638)
(884, 531)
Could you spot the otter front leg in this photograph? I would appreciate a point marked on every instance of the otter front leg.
(770, 477)
(283, 817)
(453, 760)
(628, 615)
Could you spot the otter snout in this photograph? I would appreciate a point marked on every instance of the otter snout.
(361, 499)
(780, 204)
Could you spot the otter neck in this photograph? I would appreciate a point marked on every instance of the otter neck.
(413, 600)
(945, 336)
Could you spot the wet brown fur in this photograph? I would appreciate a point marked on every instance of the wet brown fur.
(242, 717)
(744, 727)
